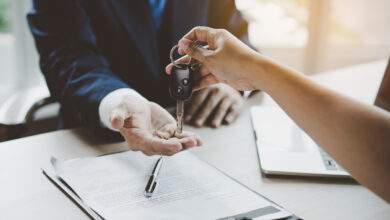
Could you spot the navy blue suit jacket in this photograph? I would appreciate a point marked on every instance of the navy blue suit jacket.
(89, 48)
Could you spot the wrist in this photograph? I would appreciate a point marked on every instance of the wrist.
(261, 70)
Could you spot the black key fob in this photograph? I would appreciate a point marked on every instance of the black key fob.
(181, 82)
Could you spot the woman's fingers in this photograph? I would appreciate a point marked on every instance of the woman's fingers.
(202, 34)
(184, 44)
(184, 59)
(187, 45)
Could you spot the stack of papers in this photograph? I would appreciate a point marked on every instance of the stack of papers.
(112, 187)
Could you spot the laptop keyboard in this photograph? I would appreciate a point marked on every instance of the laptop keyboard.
(329, 162)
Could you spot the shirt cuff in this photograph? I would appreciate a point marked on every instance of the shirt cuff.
(110, 102)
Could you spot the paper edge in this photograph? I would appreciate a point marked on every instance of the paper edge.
(56, 180)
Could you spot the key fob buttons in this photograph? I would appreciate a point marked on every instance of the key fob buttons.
(181, 82)
(185, 81)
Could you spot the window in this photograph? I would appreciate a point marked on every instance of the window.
(317, 35)
(18, 57)
(357, 31)
(7, 50)
(278, 28)
(4, 16)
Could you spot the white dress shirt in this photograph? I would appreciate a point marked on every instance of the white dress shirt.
(112, 101)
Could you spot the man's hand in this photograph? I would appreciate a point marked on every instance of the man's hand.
(149, 128)
(216, 104)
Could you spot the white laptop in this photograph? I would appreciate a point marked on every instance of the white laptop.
(285, 149)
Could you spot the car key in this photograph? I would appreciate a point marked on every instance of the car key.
(180, 87)
(181, 90)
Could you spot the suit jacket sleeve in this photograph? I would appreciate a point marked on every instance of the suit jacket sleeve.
(77, 75)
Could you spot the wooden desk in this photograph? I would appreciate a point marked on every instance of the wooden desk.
(26, 194)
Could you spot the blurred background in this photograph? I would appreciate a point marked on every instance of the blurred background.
(319, 35)
(311, 36)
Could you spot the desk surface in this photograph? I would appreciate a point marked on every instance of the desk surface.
(26, 194)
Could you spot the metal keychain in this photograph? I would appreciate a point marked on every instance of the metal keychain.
(180, 85)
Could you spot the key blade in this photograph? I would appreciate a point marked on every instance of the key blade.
(179, 115)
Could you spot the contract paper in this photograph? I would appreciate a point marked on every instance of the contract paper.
(188, 188)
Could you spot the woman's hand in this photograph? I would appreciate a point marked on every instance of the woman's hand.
(225, 60)
(355, 134)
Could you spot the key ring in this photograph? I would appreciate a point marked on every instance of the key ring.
(173, 61)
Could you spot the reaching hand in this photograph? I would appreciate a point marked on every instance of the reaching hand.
(225, 60)
(149, 128)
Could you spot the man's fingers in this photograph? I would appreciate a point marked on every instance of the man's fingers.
(232, 114)
(163, 134)
(155, 145)
(212, 101)
(118, 117)
(151, 145)
(194, 136)
(221, 112)
(174, 144)
(188, 142)
(167, 131)
(195, 104)
(144, 141)
(165, 147)
(129, 137)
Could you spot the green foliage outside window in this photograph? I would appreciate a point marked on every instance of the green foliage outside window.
(4, 20)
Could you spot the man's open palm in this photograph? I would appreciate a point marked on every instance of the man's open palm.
(149, 128)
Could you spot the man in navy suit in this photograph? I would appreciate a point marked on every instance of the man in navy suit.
(104, 60)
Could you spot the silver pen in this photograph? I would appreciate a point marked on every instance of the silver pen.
(152, 182)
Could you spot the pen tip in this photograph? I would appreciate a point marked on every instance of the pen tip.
(147, 194)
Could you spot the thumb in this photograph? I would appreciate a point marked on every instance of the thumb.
(117, 118)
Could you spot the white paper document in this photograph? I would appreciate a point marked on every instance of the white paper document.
(188, 188)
